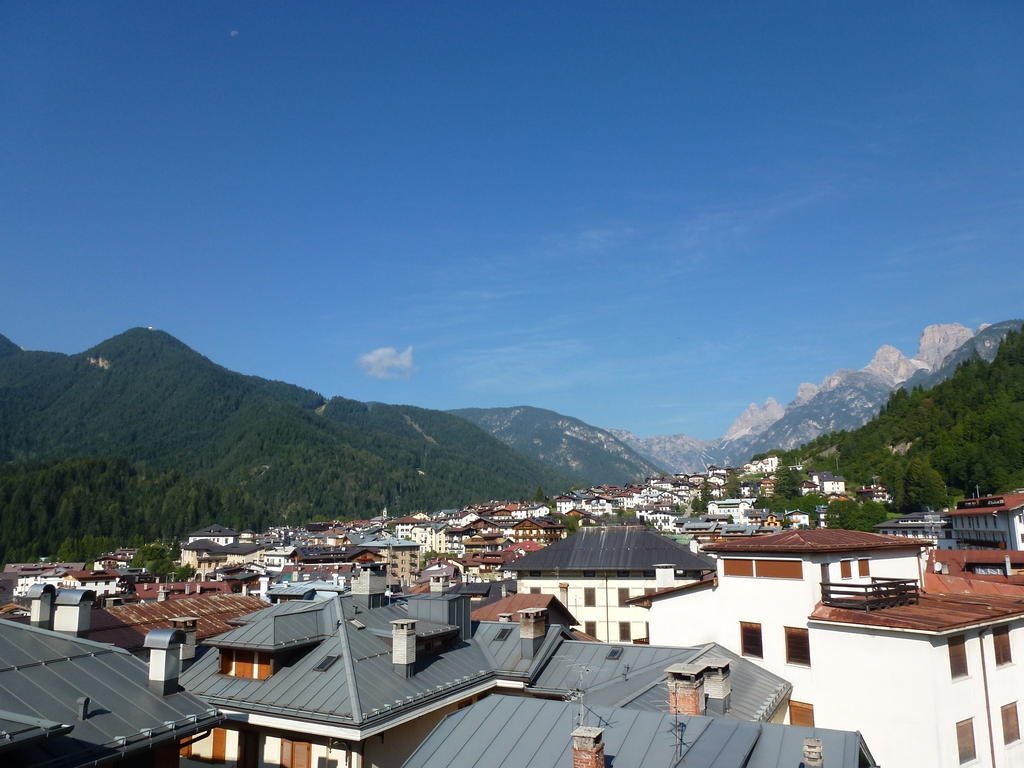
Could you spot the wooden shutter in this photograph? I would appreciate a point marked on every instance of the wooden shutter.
(186, 748)
(780, 569)
(590, 627)
(734, 567)
(589, 597)
(623, 596)
(220, 745)
(286, 753)
(750, 639)
(798, 646)
(801, 714)
(965, 740)
(957, 656)
(243, 663)
(625, 635)
(1001, 639)
(1011, 726)
(534, 590)
(226, 659)
(263, 666)
(863, 567)
(844, 569)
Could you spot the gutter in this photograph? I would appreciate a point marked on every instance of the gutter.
(912, 631)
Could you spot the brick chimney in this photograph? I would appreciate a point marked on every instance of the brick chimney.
(164, 659)
(41, 605)
(187, 625)
(587, 748)
(717, 685)
(685, 689)
(533, 626)
(813, 755)
(74, 611)
(403, 646)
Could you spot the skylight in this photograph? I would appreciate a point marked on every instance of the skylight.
(614, 653)
(325, 663)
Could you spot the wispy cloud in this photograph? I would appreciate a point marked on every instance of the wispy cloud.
(388, 363)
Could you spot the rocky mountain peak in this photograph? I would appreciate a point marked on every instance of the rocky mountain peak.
(939, 340)
(755, 419)
(805, 393)
(892, 366)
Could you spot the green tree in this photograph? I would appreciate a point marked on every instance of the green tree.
(787, 483)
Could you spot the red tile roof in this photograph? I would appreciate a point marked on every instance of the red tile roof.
(150, 591)
(557, 613)
(813, 540)
(988, 504)
(932, 612)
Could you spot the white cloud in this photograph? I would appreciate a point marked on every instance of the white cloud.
(233, 33)
(388, 363)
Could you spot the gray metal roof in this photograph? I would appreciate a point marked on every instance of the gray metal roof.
(516, 732)
(620, 548)
(44, 673)
(18, 730)
(362, 687)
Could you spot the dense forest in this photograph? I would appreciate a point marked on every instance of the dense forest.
(933, 446)
(205, 443)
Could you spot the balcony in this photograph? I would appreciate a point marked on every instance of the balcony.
(870, 596)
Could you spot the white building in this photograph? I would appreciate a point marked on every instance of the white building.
(218, 534)
(989, 522)
(737, 508)
(926, 678)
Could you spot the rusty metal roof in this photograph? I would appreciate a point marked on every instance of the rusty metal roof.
(813, 540)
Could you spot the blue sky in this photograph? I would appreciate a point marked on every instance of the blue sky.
(644, 215)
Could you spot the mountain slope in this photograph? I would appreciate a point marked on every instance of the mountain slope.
(589, 455)
(145, 396)
(969, 429)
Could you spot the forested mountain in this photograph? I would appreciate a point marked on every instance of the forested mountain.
(145, 397)
(965, 433)
(587, 454)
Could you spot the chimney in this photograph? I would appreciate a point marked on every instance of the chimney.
(82, 707)
(74, 609)
(187, 625)
(164, 659)
(264, 587)
(503, 589)
(505, 618)
(41, 614)
(188, 589)
(587, 747)
(1006, 565)
(563, 593)
(685, 689)
(813, 756)
(403, 646)
(533, 626)
(368, 587)
(664, 575)
(162, 593)
(439, 584)
(717, 685)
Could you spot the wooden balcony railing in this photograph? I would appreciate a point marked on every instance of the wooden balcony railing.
(878, 593)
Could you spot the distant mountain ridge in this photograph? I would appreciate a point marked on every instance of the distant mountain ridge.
(590, 455)
(145, 396)
(846, 399)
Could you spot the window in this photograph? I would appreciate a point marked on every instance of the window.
(589, 597)
(622, 574)
(623, 596)
(750, 640)
(534, 590)
(779, 569)
(957, 656)
(965, 740)
(534, 573)
(801, 714)
(798, 646)
(863, 567)
(625, 635)
(1011, 725)
(296, 754)
(220, 745)
(733, 567)
(589, 574)
(845, 571)
(590, 627)
(1001, 639)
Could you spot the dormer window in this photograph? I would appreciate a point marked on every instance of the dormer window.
(238, 662)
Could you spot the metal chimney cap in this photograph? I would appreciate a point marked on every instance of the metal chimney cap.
(75, 596)
(163, 639)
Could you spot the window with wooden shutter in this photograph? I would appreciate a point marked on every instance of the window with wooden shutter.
(623, 596)
(798, 646)
(243, 663)
(801, 714)
(297, 754)
(590, 627)
(779, 569)
(957, 645)
(263, 666)
(845, 571)
(534, 590)
(750, 639)
(735, 567)
(965, 740)
(226, 660)
(589, 597)
(1011, 725)
(1001, 639)
(863, 567)
(625, 633)
(220, 745)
